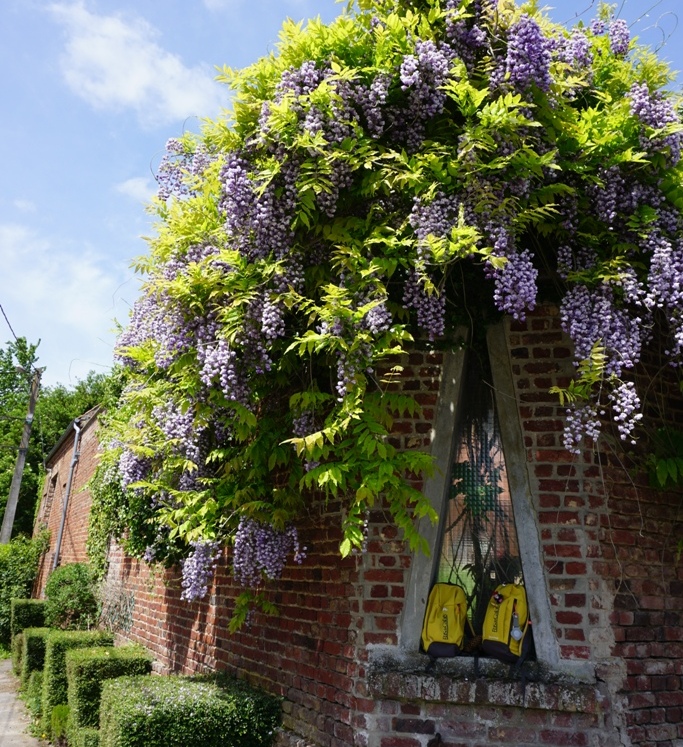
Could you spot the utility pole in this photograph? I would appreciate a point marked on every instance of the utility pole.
(13, 498)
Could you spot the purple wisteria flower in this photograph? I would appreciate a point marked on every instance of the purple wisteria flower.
(626, 406)
(656, 112)
(581, 422)
(198, 569)
(261, 550)
(515, 284)
(528, 56)
(619, 37)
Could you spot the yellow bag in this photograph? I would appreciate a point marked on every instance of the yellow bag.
(506, 634)
(443, 629)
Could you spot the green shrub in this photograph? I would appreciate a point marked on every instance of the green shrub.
(70, 598)
(33, 693)
(178, 711)
(19, 561)
(17, 650)
(33, 652)
(26, 613)
(88, 668)
(58, 723)
(54, 678)
(84, 738)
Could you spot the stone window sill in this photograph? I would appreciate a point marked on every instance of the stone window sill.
(455, 681)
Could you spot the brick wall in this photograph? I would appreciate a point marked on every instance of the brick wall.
(308, 654)
(614, 583)
(55, 493)
(609, 541)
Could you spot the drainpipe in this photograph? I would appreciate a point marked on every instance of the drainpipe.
(74, 460)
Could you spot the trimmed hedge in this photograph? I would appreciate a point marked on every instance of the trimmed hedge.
(179, 711)
(88, 668)
(33, 693)
(17, 651)
(33, 652)
(19, 561)
(58, 721)
(84, 738)
(54, 679)
(26, 613)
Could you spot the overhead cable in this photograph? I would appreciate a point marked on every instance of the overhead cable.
(8, 324)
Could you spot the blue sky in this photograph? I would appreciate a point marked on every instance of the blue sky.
(92, 90)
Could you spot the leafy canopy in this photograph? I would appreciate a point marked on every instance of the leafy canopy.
(379, 181)
(55, 408)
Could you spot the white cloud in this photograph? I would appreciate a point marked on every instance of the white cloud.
(222, 4)
(115, 63)
(26, 206)
(139, 188)
(308, 7)
(65, 298)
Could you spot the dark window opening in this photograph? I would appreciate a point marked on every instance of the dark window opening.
(479, 546)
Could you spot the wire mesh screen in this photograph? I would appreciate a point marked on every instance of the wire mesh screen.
(479, 548)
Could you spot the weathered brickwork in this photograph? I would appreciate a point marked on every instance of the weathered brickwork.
(61, 465)
(609, 541)
(614, 582)
(308, 653)
(566, 488)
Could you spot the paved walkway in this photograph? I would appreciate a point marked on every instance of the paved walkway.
(14, 719)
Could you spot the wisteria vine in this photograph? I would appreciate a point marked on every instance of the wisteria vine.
(375, 175)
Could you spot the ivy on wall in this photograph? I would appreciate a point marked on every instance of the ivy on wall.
(380, 180)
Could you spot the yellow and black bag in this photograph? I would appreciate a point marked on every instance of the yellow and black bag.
(506, 634)
(443, 629)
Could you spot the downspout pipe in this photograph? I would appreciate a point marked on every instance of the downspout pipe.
(72, 468)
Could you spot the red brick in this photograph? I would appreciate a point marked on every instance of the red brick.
(333, 609)
(564, 738)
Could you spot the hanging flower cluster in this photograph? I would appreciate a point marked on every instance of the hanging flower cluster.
(376, 174)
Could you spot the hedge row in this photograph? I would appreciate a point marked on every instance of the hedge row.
(26, 613)
(178, 711)
(17, 650)
(33, 651)
(33, 694)
(86, 671)
(54, 674)
(18, 567)
(74, 680)
(84, 738)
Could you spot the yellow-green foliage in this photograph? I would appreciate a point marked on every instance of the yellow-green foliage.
(379, 182)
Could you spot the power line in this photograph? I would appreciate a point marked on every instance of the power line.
(8, 324)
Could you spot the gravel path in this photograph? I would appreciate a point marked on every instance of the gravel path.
(14, 719)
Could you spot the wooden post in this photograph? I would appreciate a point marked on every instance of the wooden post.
(13, 498)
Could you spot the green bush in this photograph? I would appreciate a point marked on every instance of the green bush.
(70, 598)
(33, 693)
(54, 678)
(178, 711)
(84, 738)
(19, 561)
(17, 650)
(33, 652)
(26, 613)
(88, 668)
(58, 723)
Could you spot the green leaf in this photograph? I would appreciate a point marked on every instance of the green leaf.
(662, 471)
(672, 469)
